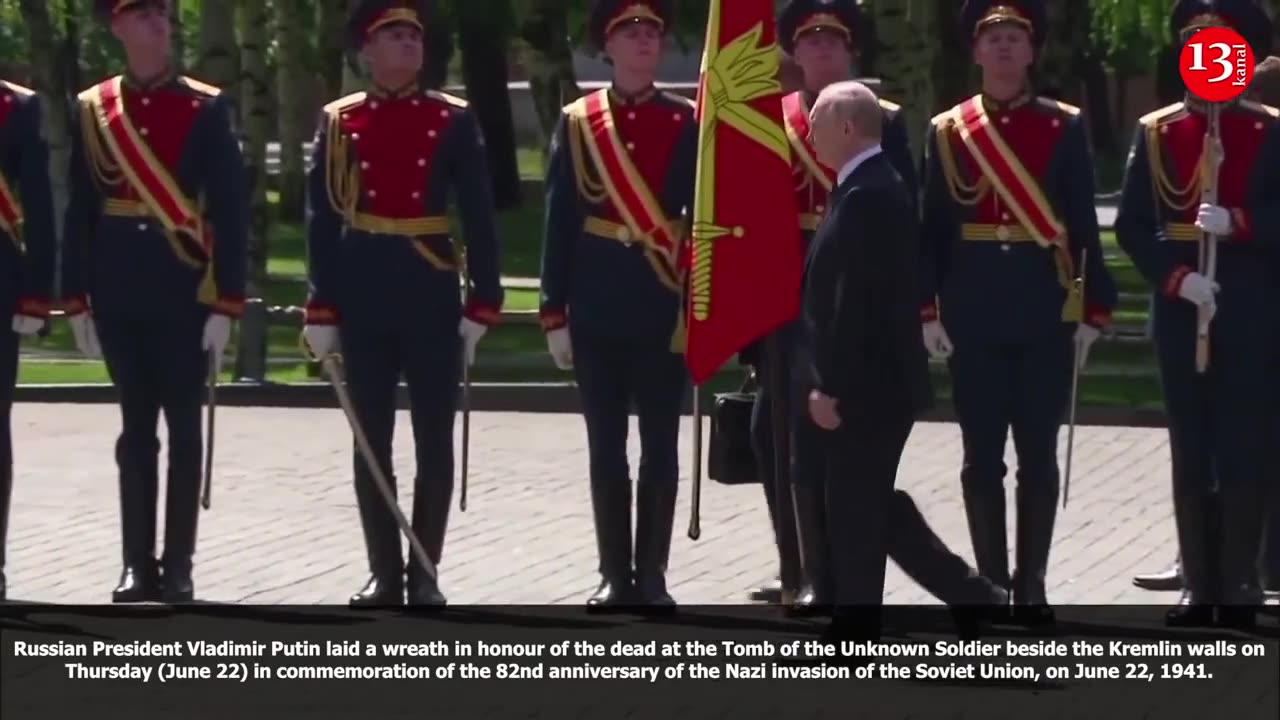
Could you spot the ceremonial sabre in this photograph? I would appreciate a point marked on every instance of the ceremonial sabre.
(1075, 388)
(330, 365)
(206, 497)
(1209, 242)
(466, 396)
(695, 523)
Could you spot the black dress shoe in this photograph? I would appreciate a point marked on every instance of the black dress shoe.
(809, 603)
(425, 592)
(379, 592)
(1189, 613)
(138, 583)
(771, 593)
(176, 586)
(610, 595)
(651, 592)
(1164, 581)
(1032, 616)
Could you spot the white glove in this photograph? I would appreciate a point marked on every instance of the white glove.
(322, 339)
(1198, 289)
(1214, 219)
(936, 340)
(1086, 336)
(86, 336)
(471, 332)
(217, 333)
(561, 348)
(27, 325)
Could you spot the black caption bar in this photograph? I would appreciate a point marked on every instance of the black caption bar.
(243, 662)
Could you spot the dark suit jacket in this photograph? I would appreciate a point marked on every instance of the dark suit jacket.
(861, 310)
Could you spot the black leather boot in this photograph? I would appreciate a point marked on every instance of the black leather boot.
(385, 586)
(431, 498)
(611, 508)
(655, 516)
(985, 511)
(1037, 510)
(1198, 514)
(139, 480)
(811, 520)
(6, 494)
(182, 516)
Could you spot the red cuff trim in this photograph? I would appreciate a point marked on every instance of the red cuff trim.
(320, 315)
(1097, 316)
(552, 320)
(1241, 229)
(231, 307)
(928, 313)
(75, 306)
(1174, 282)
(33, 307)
(483, 314)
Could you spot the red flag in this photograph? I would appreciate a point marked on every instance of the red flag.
(744, 278)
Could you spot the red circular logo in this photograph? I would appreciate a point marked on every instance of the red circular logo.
(1216, 64)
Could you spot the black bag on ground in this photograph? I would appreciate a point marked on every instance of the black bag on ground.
(731, 459)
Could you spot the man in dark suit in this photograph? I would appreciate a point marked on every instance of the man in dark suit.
(868, 376)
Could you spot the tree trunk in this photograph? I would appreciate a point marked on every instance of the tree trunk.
(219, 60)
(905, 38)
(438, 45)
(484, 70)
(51, 76)
(953, 69)
(255, 89)
(330, 45)
(1098, 98)
(179, 36)
(297, 118)
(1068, 33)
(548, 59)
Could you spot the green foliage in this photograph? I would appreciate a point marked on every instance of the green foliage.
(1131, 32)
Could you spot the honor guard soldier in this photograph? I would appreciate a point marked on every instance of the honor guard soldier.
(154, 266)
(621, 174)
(1218, 412)
(823, 37)
(26, 257)
(384, 274)
(1009, 225)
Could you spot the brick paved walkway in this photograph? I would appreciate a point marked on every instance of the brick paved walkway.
(284, 529)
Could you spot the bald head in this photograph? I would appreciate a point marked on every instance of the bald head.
(845, 120)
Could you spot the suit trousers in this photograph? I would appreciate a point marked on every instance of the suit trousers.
(8, 379)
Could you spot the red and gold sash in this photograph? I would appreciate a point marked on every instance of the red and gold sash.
(796, 119)
(631, 196)
(1016, 187)
(10, 213)
(145, 173)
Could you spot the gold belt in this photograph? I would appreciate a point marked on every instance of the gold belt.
(610, 229)
(1183, 232)
(408, 227)
(115, 207)
(416, 230)
(996, 233)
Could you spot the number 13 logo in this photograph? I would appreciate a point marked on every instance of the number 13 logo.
(1216, 64)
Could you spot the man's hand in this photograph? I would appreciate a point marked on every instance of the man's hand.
(822, 409)
(1086, 336)
(558, 343)
(936, 340)
(1199, 290)
(86, 336)
(471, 332)
(217, 333)
(1214, 219)
(27, 325)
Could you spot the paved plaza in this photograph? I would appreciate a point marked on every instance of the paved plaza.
(284, 529)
